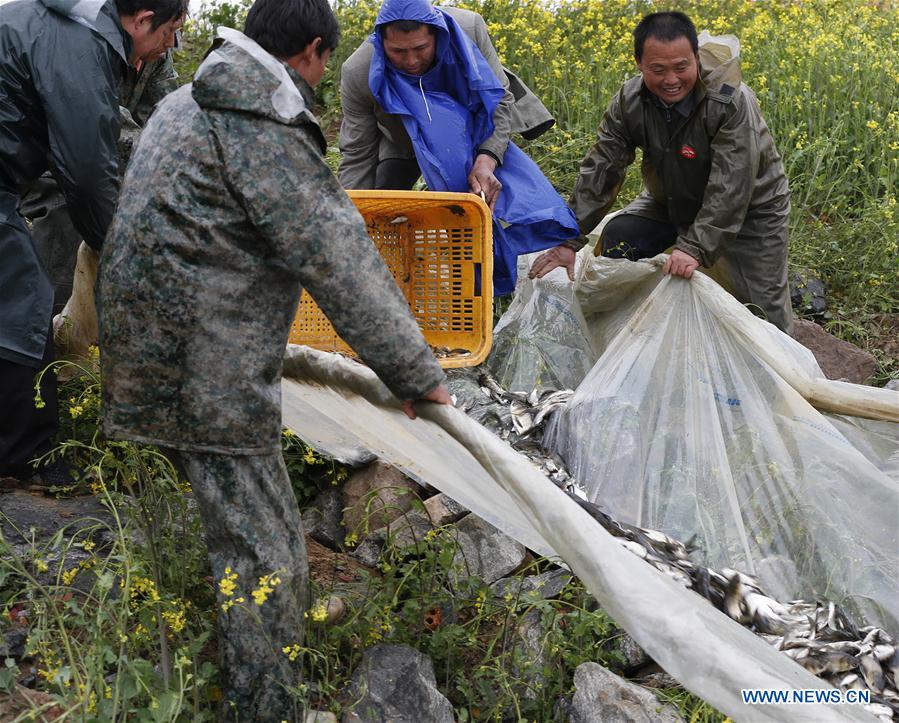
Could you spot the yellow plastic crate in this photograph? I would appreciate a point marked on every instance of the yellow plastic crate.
(434, 245)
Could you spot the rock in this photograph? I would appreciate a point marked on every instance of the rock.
(405, 531)
(320, 716)
(808, 295)
(484, 551)
(47, 515)
(892, 384)
(323, 521)
(374, 496)
(395, 683)
(658, 679)
(602, 697)
(12, 644)
(779, 577)
(546, 585)
(530, 655)
(442, 510)
(368, 552)
(838, 359)
(633, 655)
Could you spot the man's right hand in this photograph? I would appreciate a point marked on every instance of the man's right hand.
(546, 262)
(439, 395)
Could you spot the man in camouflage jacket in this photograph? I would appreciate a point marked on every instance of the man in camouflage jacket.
(227, 210)
(715, 186)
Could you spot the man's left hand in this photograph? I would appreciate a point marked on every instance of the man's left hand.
(680, 264)
(482, 180)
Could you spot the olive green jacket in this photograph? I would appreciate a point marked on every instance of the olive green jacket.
(718, 177)
(227, 210)
(368, 134)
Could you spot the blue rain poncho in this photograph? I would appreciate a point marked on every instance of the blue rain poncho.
(448, 113)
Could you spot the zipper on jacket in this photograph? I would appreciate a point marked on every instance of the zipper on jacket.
(425, 99)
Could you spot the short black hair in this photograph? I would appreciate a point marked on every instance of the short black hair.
(163, 10)
(405, 26)
(285, 27)
(666, 27)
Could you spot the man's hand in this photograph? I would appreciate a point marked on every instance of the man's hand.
(482, 180)
(439, 395)
(680, 264)
(546, 262)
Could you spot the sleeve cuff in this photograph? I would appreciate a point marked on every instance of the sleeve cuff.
(486, 152)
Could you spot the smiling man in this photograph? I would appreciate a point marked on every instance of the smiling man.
(59, 111)
(715, 186)
(426, 95)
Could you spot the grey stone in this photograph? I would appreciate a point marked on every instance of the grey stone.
(320, 716)
(530, 654)
(634, 656)
(808, 295)
(838, 359)
(603, 697)
(12, 644)
(23, 512)
(546, 585)
(323, 521)
(484, 551)
(395, 683)
(779, 577)
(443, 509)
(658, 679)
(892, 384)
(407, 530)
(374, 496)
(368, 552)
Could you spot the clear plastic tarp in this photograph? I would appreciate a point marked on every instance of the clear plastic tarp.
(541, 342)
(700, 420)
(337, 405)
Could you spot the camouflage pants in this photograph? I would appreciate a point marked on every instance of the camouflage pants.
(254, 533)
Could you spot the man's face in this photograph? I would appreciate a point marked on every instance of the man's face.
(669, 69)
(150, 44)
(412, 52)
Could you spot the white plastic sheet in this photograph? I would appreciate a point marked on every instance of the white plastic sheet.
(541, 342)
(707, 652)
(698, 420)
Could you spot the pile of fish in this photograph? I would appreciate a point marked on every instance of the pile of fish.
(817, 635)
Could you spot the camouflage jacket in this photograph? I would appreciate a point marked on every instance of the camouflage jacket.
(227, 208)
(139, 92)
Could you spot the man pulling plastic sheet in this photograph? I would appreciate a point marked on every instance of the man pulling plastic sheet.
(426, 70)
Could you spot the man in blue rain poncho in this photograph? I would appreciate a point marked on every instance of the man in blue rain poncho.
(420, 95)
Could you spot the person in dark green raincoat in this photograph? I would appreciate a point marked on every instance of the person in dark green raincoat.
(715, 186)
(62, 62)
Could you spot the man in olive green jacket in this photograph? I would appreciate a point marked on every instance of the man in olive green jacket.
(376, 151)
(715, 186)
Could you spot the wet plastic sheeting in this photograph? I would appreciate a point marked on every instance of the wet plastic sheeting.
(541, 342)
(692, 423)
(707, 652)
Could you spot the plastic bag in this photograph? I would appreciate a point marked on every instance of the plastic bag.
(75, 328)
(694, 422)
(541, 342)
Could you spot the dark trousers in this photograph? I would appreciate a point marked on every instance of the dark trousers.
(26, 432)
(633, 237)
(397, 174)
